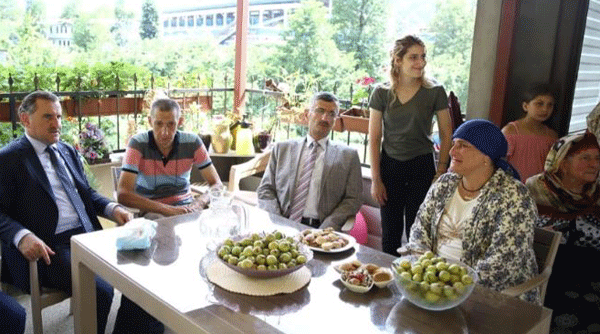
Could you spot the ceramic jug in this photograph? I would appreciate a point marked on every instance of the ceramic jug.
(221, 140)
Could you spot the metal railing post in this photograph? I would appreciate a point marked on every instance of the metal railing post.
(118, 86)
(12, 106)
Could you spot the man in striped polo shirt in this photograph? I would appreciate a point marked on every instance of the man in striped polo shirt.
(155, 175)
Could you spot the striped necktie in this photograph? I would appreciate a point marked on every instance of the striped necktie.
(301, 194)
(70, 189)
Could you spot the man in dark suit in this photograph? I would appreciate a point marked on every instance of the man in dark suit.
(12, 315)
(313, 180)
(45, 199)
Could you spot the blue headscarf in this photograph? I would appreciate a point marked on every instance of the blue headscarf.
(489, 140)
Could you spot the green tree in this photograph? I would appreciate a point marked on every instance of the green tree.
(361, 30)
(309, 51)
(36, 10)
(149, 23)
(123, 19)
(8, 10)
(71, 10)
(83, 35)
(30, 48)
(10, 16)
(451, 32)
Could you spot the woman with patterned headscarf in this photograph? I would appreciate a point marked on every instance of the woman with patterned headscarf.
(568, 191)
(567, 194)
(480, 213)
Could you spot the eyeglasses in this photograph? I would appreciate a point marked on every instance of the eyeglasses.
(320, 112)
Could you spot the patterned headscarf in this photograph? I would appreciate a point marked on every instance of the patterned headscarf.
(547, 188)
(489, 140)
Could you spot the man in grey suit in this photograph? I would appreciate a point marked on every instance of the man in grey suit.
(313, 180)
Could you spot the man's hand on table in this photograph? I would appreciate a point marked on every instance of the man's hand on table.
(121, 215)
(171, 210)
(200, 203)
(34, 248)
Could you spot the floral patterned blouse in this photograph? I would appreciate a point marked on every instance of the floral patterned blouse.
(497, 238)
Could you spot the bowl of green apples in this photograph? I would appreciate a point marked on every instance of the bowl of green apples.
(263, 255)
(432, 282)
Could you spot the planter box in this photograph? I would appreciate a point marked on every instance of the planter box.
(5, 109)
(89, 107)
(356, 120)
(338, 125)
(104, 107)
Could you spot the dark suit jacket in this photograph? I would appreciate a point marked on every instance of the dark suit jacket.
(27, 201)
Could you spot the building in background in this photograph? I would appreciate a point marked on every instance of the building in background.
(60, 33)
(267, 19)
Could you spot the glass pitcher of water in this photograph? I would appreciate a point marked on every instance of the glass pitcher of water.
(223, 218)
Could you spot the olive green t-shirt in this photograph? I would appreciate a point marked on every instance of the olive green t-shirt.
(407, 127)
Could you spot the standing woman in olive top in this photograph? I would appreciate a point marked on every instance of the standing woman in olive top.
(403, 168)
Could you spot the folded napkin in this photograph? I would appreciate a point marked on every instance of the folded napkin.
(136, 234)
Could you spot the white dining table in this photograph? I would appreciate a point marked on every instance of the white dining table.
(168, 280)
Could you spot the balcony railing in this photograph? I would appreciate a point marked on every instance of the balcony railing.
(124, 106)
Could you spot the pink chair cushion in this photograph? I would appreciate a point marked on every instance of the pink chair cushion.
(359, 231)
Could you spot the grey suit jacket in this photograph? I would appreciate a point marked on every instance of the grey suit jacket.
(341, 183)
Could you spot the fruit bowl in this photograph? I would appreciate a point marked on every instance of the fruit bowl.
(253, 269)
(435, 294)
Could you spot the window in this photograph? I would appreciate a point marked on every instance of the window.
(219, 19)
(166, 24)
(267, 15)
(587, 87)
(230, 18)
(254, 17)
(209, 20)
(174, 22)
(277, 13)
(190, 21)
(199, 21)
(181, 21)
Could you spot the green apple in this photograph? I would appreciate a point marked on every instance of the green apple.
(436, 288)
(466, 279)
(459, 288)
(417, 269)
(454, 269)
(272, 260)
(431, 297)
(444, 276)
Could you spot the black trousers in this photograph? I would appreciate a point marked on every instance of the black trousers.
(12, 315)
(406, 184)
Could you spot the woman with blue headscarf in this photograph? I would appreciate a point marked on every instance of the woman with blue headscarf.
(480, 214)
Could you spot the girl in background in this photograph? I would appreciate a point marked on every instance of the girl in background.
(529, 139)
(403, 168)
